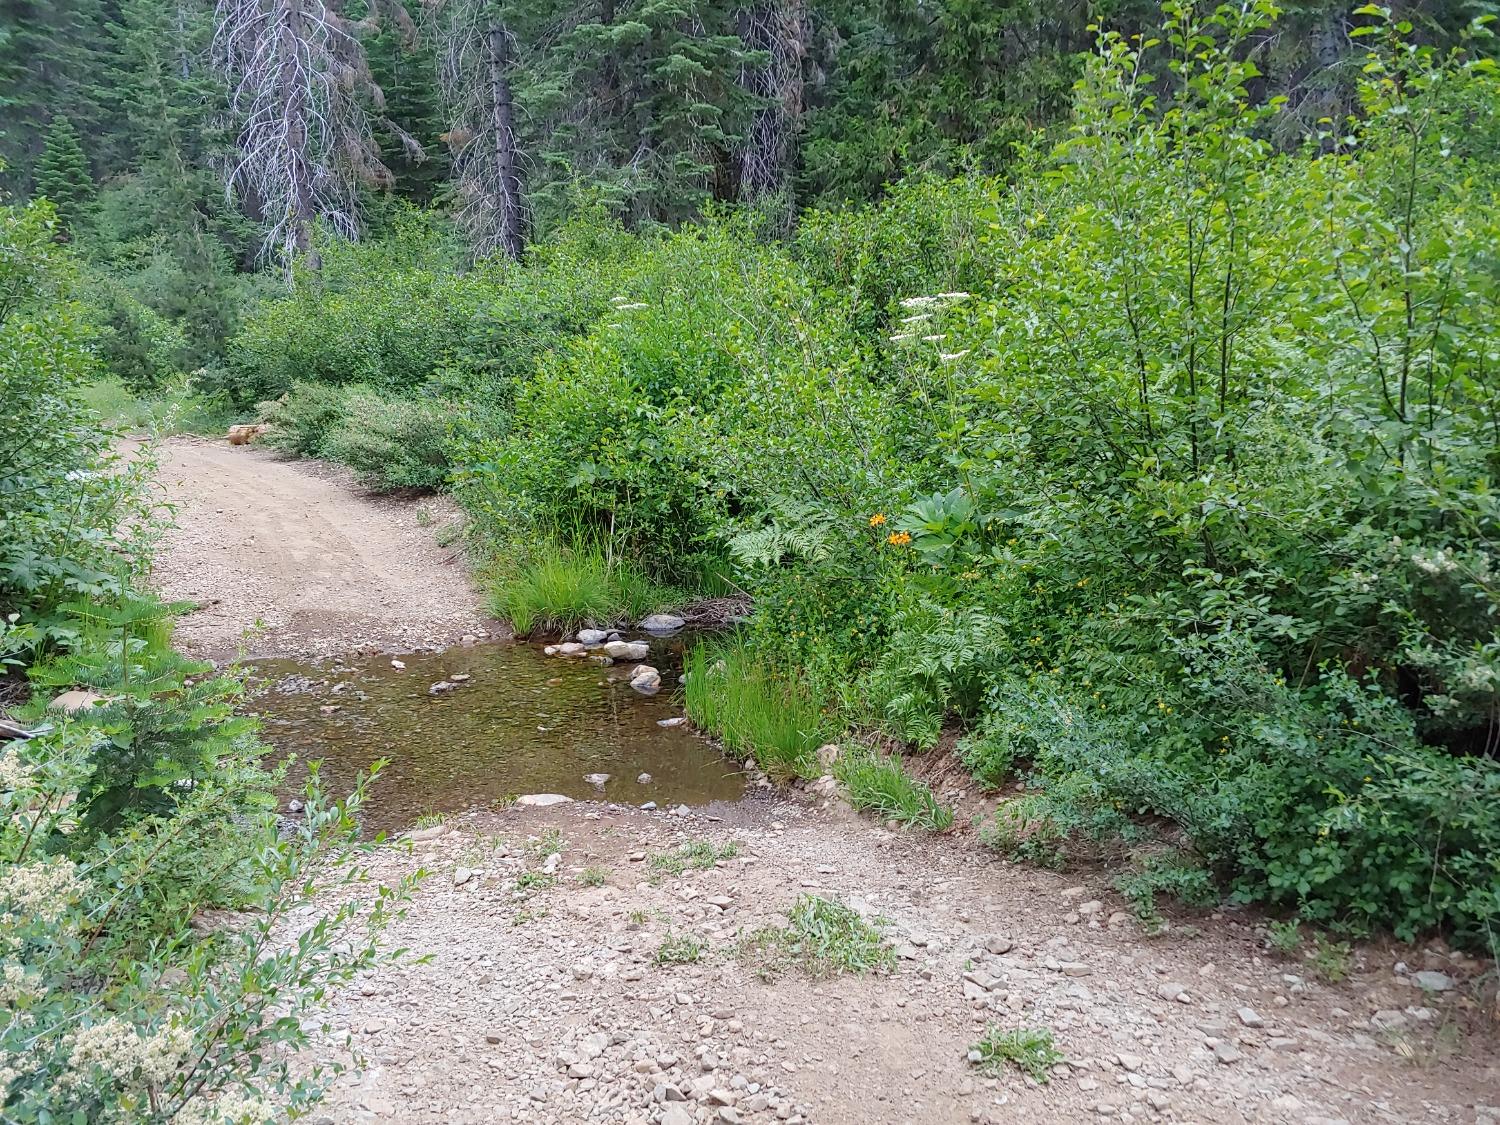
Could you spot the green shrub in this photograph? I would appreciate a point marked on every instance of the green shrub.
(753, 711)
(880, 785)
(302, 417)
(390, 443)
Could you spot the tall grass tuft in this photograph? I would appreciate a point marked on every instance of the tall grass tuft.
(558, 588)
(880, 785)
(753, 711)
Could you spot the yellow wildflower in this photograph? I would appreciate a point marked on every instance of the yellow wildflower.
(898, 539)
(877, 519)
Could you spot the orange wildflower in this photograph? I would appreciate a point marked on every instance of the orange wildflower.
(898, 539)
(877, 519)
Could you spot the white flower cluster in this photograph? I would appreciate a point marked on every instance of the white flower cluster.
(115, 1049)
(229, 1108)
(15, 985)
(14, 773)
(39, 892)
(1438, 562)
(934, 301)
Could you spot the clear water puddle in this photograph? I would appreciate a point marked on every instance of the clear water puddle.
(521, 723)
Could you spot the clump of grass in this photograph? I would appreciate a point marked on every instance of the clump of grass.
(558, 588)
(1330, 959)
(548, 843)
(1286, 937)
(882, 786)
(593, 877)
(824, 937)
(430, 820)
(177, 407)
(535, 881)
(699, 855)
(754, 712)
(680, 949)
(1030, 1049)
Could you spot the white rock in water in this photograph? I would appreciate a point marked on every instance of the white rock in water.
(397, 664)
(542, 800)
(678, 721)
(645, 679)
(663, 623)
(571, 648)
(592, 636)
(598, 780)
(643, 779)
(627, 650)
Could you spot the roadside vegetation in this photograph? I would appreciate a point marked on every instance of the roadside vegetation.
(143, 873)
(1158, 475)
(1151, 469)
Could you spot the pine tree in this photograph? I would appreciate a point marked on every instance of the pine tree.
(62, 172)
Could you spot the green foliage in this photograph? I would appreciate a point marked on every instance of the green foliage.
(753, 711)
(62, 172)
(163, 723)
(1030, 1050)
(390, 442)
(555, 589)
(823, 937)
(697, 855)
(70, 512)
(680, 949)
(880, 785)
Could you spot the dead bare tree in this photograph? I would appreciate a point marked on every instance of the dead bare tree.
(777, 31)
(303, 98)
(476, 52)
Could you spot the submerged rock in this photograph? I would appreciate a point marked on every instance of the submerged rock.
(675, 721)
(597, 780)
(592, 636)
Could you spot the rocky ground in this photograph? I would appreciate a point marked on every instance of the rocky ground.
(291, 558)
(546, 999)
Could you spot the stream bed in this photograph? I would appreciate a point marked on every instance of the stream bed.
(520, 723)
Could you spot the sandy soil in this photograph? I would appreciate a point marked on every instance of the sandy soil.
(545, 1000)
(292, 558)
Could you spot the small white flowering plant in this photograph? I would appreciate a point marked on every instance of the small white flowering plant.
(117, 1002)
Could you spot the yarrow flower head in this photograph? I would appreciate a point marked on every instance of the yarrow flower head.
(877, 519)
(898, 538)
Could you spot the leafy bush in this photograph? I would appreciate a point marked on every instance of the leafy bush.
(390, 442)
(752, 711)
(882, 786)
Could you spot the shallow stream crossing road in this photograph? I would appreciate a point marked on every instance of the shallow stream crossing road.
(293, 558)
(575, 964)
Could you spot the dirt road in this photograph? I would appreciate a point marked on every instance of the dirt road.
(580, 967)
(291, 558)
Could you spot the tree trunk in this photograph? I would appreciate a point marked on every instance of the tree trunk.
(779, 28)
(298, 173)
(502, 126)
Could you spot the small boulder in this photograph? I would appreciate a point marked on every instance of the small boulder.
(597, 780)
(677, 721)
(645, 679)
(541, 800)
(643, 779)
(1429, 980)
(663, 623)
(72, 702)
(627, 650)
(592, 636)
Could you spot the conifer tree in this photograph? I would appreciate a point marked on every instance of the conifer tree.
(62, 172)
